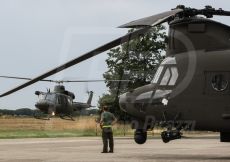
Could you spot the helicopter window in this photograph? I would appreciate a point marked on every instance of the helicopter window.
(42, 96)
(219, 82)
(170, 77)
(162, 93)
(70, 100)
(169, 61)
(166, 77)
(157, 75)
(50, 97)
(62, 100)
(174, 76)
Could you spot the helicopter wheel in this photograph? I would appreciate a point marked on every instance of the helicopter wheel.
(170, 135)
(140, 136)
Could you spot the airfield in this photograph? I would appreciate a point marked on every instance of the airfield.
(87, 149)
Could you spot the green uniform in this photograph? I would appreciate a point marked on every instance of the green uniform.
(107, 134)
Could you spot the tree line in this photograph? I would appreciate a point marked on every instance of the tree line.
(18, 112)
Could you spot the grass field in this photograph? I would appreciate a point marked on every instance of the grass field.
(11, 127)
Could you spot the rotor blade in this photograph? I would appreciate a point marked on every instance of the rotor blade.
(152, 20)
(22, 78)
(77, 81)
(11, 77)
(66, 81)
(81, 58)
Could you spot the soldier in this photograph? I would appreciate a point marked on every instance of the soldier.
(107, 120)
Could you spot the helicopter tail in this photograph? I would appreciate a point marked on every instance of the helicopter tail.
(90, 98)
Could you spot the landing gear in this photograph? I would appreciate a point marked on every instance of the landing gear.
(170, 135)
(140, 136)
(41, 116)
(225, 136)
(67, 117)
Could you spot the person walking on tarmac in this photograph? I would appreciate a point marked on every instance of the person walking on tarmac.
(107, 120)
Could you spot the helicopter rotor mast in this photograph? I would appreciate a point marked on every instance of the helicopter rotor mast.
(208, 11)
(179, 12)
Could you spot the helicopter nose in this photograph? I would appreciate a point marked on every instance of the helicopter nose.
(42, 105)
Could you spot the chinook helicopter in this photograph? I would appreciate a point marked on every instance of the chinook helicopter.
(190, 89)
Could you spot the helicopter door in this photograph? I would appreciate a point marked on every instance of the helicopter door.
(217, 83)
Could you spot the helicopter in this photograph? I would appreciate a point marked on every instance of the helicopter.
(190, 90)
(60, 102)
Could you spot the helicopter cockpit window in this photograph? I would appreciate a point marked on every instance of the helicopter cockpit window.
(50, 97)
(166, 77)
(42, 96)
(158, 74)
(169, 61)
(170, 77)
(174, 76)
(70, 100)
(171, 73)
(219, 82)
(62, 99)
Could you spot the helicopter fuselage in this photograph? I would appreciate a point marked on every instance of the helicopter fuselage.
(55, 103)
(191, 85)
(60, 102)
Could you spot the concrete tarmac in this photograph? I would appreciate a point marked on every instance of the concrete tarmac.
(126, 150)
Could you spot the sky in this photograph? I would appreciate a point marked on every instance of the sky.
(38, 35)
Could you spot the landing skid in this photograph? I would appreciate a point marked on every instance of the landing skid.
(67, 117)
(40, 117)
